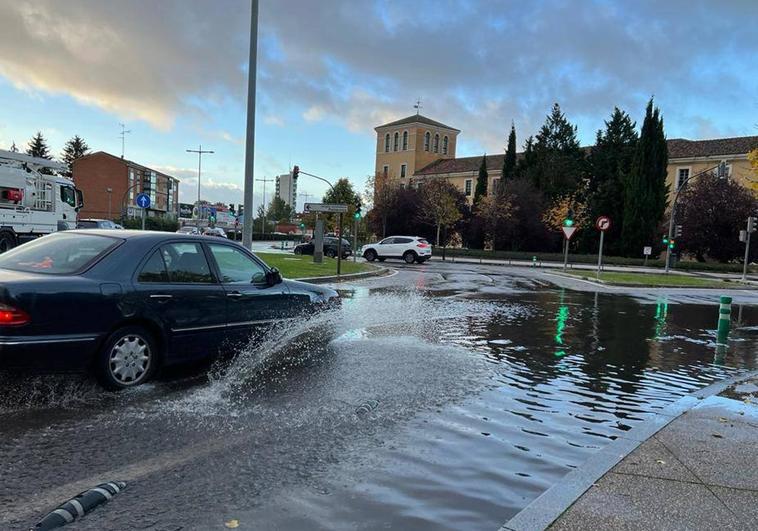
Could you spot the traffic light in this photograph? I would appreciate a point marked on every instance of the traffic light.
(569, 221)
(665, 240)
(295, 172)
(751, 224)
(677, 231)
(357, 214)
(302, 225)
(231, 208)
(671, 244)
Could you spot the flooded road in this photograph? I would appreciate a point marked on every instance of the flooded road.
(451, 397)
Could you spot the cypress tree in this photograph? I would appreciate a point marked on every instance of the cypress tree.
(481, 181)
(645, 189)
(509, 162)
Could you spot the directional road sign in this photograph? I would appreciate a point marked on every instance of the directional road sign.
(569, 232)
(603, 223)
(324, 207)
(143, 200)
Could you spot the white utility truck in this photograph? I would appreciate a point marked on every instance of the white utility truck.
(34, 200)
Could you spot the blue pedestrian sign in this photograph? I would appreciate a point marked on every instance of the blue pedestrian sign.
(143, 200)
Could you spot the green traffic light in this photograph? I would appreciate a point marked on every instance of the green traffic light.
(357, 215)
(568, 222)
(671, 245)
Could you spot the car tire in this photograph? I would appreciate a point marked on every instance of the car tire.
(7, 241)
(330, 253)
(370, 255)
(128, 358)
(298, 250)
(410, 257)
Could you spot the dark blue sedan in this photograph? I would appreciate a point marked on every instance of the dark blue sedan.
(123, 303)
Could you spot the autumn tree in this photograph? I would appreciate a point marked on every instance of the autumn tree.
(438, 205)
(494, 211)
(558, 211)
(753, 158)
(712, 212)
(524, 230)
(384, 193)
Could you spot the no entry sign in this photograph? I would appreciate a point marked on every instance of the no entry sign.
(603, 223)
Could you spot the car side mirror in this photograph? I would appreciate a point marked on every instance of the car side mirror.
(273, 277)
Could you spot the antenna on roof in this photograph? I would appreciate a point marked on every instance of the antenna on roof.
(123, 134)
(417, 106)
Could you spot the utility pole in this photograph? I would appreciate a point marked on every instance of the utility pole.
(199, 152)
(307, 196)
(110, 194)
(263, 217)
(247, 227)
(123, 134)
(751, 226)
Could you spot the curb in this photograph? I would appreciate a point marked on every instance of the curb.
(378, 272)
(551, 504)
(603, 284)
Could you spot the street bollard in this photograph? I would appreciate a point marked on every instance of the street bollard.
(534, 261)
(725, 316)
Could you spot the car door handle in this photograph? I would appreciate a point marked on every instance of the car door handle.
(235, 294)
(161, 296)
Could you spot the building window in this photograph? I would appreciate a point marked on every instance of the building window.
(405, 140)
(682, 174)
(387, 143)
(468, 187)
(495, 184)
(728, 168)
(394, 144)
(427, 138)
(444, 145)
(436, 143)
(385, 171)
(403, 168)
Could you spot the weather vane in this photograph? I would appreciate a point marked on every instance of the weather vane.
(417, 106)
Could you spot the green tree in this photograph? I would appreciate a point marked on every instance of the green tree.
(524, 165)
(279, 211)
(558, 166)
(342, 193)
(75, 148)
(610, 162)
(481, 181)
(645, 188)
(509, 162)
(438, 205)
(712, 212)
(38, 147)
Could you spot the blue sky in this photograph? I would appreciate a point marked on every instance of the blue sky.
(331, 70)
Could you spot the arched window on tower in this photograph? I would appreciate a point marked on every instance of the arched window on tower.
(427, 138)
(444, 145)
(405, 140)
(394, 144)
(436, 143)
(387, 143)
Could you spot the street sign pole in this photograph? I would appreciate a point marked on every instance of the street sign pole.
(600, 255)
(750, 228)
(602, 223)
(318, 241)
(565, 253)
(339, 248)
(355, 240)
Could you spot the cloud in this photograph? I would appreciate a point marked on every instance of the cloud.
(476, 64)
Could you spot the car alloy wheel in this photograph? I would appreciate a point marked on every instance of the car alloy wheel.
(409, 257)
(129, 360)
(370, 255)
(330, 253)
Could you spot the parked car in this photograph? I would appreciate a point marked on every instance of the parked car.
(330, 247)
(409, 248)
(215, 231)
(188, 229)
(92, 223)
(122, 303)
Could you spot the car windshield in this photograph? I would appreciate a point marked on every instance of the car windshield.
(59, 253)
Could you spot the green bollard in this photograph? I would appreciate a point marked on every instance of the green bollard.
(534, 261)
(725, 316)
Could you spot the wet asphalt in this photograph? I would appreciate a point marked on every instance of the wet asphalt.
(450, 397)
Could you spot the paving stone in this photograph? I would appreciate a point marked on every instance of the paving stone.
(654, 460)
(624, 502)
(744, 503)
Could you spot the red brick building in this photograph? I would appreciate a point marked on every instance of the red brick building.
(110, 185)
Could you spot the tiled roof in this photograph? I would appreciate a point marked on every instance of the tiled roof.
(418, 118)
(682, 148)
(678, 148)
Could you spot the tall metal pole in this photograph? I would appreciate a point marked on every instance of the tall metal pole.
(750, 223)
(600, 255)
(199, 152)
(247, 227)
(355, 240)
(565, 253)
(671, 233)
(263, 217)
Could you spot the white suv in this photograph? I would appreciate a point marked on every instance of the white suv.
(409, 248)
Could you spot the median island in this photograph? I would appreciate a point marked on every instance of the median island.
(658, 280)
(292, 266)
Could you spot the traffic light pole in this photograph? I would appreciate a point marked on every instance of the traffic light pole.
(339, 248)
(355, 240)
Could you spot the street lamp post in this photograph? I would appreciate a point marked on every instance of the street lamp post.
(247, 228)
(263, 217)
(721, 174)
(110, 195)
(199, 152)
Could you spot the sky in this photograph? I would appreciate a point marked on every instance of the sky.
(329, 71)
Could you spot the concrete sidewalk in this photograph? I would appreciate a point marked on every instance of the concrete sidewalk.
(698, 472)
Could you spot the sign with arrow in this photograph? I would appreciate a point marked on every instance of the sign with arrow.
(324, 207)
(568, 232)
(143, 200)
(603, 223)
